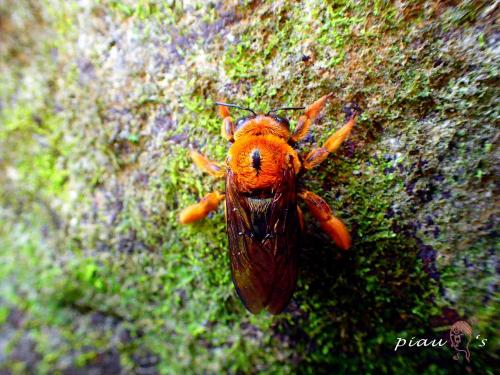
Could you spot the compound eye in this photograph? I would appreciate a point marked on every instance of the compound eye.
(283, 121)
(242, 121)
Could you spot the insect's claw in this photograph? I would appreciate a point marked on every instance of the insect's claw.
(351, 110)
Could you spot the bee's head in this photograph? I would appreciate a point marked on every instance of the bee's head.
(240, 123)
(278, 120)
(283, 121)
(256, 124)
(262, 125)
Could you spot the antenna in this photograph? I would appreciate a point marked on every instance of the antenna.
(235, 106)
(284, 109)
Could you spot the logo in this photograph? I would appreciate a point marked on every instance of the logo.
(457, 332)
(460, 337)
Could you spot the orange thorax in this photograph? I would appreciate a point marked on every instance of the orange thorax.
(258, 161)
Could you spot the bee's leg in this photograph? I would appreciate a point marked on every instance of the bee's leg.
(329, 223)
(227, 129)
(201, 209)
(310, 114)
(301, 218)
(206, 165)
(317, 155)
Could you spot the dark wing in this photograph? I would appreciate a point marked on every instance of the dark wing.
(263, 243)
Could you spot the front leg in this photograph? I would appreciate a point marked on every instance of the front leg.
(317, 155)
(310, 114)
(200, 210)
(227, 129)
(333, 226)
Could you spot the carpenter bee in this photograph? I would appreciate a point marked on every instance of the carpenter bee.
(263, 219)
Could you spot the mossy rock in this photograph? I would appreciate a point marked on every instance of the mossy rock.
(100, 104)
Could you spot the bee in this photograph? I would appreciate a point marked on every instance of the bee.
(264, 221)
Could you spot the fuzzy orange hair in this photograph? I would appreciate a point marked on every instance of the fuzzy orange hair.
(275, 155)
(262, 125)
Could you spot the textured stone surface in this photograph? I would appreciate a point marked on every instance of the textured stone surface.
(100, 103)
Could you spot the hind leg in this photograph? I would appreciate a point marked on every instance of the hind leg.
(333, 226)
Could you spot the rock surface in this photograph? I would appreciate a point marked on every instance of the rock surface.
(100, 103)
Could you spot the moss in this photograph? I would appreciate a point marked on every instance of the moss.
(98, 120)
